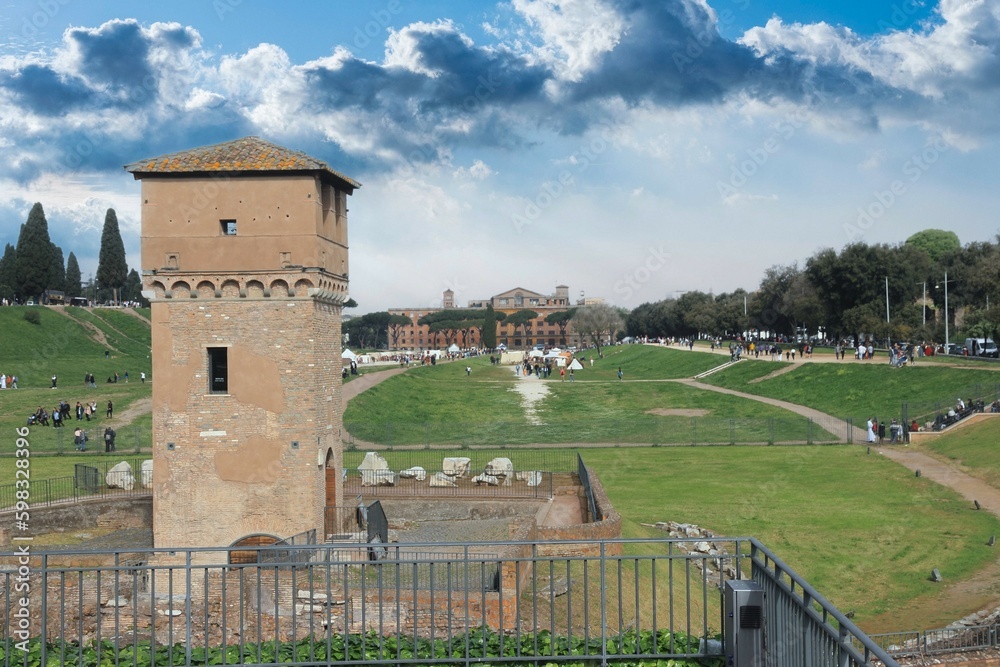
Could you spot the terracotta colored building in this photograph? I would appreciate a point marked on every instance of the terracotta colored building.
(245, 263)
(419, 337)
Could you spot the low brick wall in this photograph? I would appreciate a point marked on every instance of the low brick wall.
(610, 527)
(115, 512)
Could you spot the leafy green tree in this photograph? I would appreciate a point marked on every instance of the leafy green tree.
(112, 269)
(489, 335)
(33, 262)
(350, 303)
(936, 243)
(8, 272)
(74, 279)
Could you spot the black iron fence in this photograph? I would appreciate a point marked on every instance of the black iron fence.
(937, 642)
(438, 483)
(646, 429)
(924, 412)
(593, 511)
(522, 458)
(554, 602)
(88, 481)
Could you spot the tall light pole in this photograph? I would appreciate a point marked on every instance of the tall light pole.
(925, 301)
(887, 299)
(947, 340)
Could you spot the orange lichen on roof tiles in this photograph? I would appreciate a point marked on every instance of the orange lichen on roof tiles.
(246, 154)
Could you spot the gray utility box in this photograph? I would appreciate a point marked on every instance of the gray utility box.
(744, 622)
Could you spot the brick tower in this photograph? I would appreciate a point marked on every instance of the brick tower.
(244, 259)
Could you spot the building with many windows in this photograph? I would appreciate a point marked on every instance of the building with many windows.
(417, 337)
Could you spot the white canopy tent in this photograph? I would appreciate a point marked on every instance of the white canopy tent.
(453, 348)
(347, 354)
(575, 365)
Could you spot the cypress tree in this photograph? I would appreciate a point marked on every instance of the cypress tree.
(133, 288)
(112, 270)
(57, 271)
(33, 265)
(8, 272)
(74, 279)
(490, 328)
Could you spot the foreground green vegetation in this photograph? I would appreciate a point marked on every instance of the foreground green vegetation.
(481, 644)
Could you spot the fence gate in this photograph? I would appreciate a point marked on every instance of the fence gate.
(86, 478)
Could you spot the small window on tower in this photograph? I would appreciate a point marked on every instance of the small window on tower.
(218, 370)
(228, 227)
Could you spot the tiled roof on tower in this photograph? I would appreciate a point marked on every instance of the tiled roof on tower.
(249, 154)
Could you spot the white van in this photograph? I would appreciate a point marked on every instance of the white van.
(981, 347)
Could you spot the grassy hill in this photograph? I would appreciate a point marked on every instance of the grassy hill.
(69, 343)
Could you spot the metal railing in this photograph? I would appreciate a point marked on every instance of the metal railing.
(926, 411)
(557, 460)
(535, 484)
(81, 485)
(803, 628)
(644, 429)
(620, 600)
(593, 511)
(935, 642)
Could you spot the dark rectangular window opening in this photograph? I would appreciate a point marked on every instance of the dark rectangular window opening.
(228, 227)
(218, 370)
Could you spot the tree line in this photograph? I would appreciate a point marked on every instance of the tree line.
(35, 266)
(886, 291)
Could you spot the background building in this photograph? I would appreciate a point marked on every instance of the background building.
(417, 337)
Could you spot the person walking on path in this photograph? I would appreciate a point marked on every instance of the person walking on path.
(111, 410)
(620, 374)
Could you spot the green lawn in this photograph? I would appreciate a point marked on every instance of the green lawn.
(974, 448)
(60, 345)
(861, 529)
(444, 405)
(860, 390)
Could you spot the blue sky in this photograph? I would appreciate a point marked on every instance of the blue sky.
(631, 149)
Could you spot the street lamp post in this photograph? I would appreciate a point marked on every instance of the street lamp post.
(947, 340)
(887, 299)
(925, 302)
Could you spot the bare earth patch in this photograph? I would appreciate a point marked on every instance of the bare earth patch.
(678, 412)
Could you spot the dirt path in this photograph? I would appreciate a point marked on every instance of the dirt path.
(135, 409)
(95, 333)
(836, 427)
(366, 381)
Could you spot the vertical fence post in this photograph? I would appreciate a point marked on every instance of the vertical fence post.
(770, 430)
(809, 431)
(732, 431)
